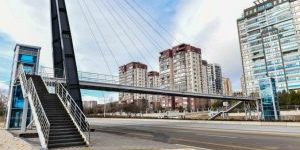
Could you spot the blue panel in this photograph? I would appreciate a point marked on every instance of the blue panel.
(28, 69)
(16, 117)
(27, 59)
(18, 100)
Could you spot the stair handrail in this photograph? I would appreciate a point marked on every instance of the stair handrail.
(30, 90)
(74, 110)
(48, 78)
(226, 111)
(70, 105)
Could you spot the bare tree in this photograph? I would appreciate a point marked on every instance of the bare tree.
(3, 101)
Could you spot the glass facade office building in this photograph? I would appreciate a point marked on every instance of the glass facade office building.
(28, 56)
(269, 42)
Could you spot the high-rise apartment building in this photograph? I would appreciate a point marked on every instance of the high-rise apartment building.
(180, 69)
(214, 75)
(153, 82)
(227, 86)
(132, 74)
(269, 35)
(204, 77)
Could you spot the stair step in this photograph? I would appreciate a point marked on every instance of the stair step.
(70, 144)
(65, 136)
(64, 133)
(66, 140)
(63, 129)
(62, 126)
(58, 118)
(48, 105)
(56, 114)
(53, 107)
(54, 119)
(58, 111)
(55, 110)
(60, 121)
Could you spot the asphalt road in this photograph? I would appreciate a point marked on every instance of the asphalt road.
(199, 135)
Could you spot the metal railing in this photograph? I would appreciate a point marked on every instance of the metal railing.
(43, 122)
(70, 105)
(76, 113)
(225, 111)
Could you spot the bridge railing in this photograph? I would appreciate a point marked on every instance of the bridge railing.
(39, 115)
(111, 79)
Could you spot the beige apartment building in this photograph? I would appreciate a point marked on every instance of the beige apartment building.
(227, 86)
(132, 74)
(180, 69)
(153, 82)
(204, 80)
(214, 75)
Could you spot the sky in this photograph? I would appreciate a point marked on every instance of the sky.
(105, 37)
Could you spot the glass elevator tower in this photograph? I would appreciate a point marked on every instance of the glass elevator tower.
(28, 56)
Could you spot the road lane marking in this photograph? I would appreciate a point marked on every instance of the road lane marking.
(194, 147)
(220, 136)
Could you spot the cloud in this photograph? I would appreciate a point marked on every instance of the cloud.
(4, 86)
(211, 25)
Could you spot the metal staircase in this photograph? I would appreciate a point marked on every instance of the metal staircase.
(59, 121)
(226, 111)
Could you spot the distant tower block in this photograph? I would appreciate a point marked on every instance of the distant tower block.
(28, 56)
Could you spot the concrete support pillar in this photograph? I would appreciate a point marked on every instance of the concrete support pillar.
(24, 116)
(173, 104)
(257, 109)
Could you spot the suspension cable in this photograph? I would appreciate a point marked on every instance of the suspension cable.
(94, 37)
(137, 37)
(149, 24)
(140, 27)
(125, 33)
(111, 27)
(101, 34)
(157, 22)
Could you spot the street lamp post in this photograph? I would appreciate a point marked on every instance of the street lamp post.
(104, 108)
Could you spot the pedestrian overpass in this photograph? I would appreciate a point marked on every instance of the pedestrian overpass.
(95, 81)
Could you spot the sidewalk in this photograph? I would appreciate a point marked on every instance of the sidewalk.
(9, 142)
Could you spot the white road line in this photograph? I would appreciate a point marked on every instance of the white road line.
(193, 147)
(221, 136)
